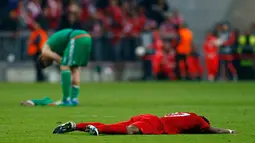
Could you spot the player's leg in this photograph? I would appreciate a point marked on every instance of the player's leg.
(75, 56)
(107, 129)
(66, 76)
(93, 128)
(80, 58)
(83, 125)
(66, 81)
(71, 126)
(75, 84)
(145, 124)
(116, 128)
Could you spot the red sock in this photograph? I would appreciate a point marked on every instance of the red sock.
(113, 129)
(82, 126)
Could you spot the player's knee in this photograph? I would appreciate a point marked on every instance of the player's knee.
(131, 129)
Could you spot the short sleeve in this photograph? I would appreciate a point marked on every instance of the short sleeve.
(203, 125)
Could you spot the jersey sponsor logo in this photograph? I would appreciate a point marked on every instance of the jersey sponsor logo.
(177, 114)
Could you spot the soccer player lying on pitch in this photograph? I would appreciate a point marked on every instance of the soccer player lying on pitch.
(174, 123)
(71, 49)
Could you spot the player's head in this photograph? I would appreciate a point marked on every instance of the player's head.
(205, 119)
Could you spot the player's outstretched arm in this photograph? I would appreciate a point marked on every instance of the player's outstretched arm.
(214, 130)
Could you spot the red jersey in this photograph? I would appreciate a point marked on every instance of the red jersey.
(183, 122)
(170, 59)
(210, 48)
(167, 29)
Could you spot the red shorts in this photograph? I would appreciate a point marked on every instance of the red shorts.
(148, 124)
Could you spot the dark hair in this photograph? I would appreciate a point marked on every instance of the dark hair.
(205, 119)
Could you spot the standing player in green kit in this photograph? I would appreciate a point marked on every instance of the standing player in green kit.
(71, 49)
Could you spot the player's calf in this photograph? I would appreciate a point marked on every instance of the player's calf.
(75, 85)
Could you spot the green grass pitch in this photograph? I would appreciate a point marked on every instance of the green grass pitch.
(227, 105)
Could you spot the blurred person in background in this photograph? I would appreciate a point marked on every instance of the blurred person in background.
(14, 17)
(194, 64)
(177, 18)
(113, 22)
(246, 50)
(42, 19)
(74, 7)
(55, 10)
(132, 27)
(168, 28)
(70, 19)
(88, 9)
(183, 50)
(211, 49)
(149, 25)
(155, 9)
(167, 65)
(157, 46)
(159, 59)
(227, 38)
(10, 22)
(34, 6)
(37, 39)
(94, 25)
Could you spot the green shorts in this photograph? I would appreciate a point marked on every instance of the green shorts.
(77, 52)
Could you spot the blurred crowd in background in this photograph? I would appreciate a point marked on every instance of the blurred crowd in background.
(119, 26)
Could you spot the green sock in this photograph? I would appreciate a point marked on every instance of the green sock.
(44, 101)
(75, 91)
(66, 84)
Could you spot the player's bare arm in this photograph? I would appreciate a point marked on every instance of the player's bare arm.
(214, 130)
(48, 53)
(131, 130)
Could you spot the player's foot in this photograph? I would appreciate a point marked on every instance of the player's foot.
(65, 128)
(27, 103)
(74, 101)
(62, 103)
(92, 130)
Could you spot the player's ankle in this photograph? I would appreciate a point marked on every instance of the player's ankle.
(74, 99)
(66, 99)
